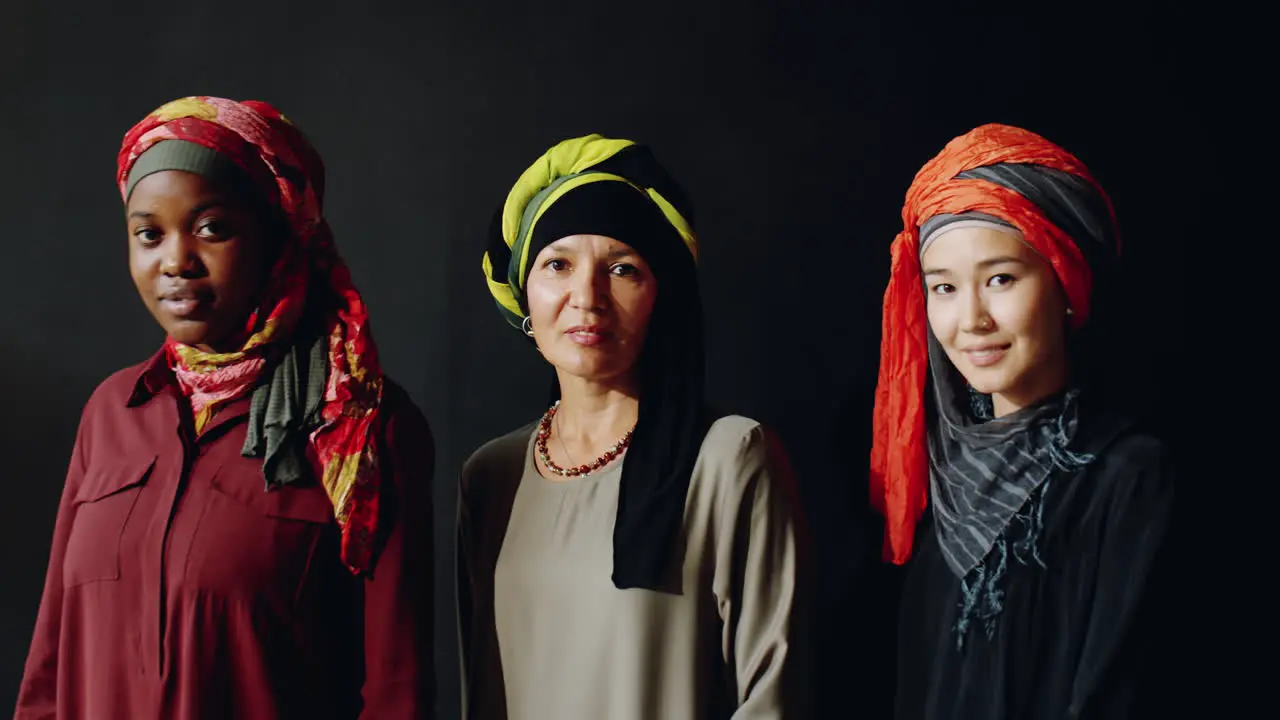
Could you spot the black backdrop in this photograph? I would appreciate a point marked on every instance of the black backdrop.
(795, 129)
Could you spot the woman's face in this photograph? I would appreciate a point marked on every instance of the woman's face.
(590, 300)
(199, 256)
(998, 311)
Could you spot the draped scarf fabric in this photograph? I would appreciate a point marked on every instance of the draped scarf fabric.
(984, 172)
(616, 188)
(568, 166)
(985, 471)
(341, 436)
(209, 383)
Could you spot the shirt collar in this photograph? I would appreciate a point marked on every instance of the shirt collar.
(154, 375)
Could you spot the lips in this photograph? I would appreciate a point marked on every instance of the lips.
(986, 355)
(588, 335)
(184, 302)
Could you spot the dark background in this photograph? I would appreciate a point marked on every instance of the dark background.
(796, 129)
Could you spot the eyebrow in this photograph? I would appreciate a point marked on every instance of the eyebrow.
(989, 262)
(206, 205)
(611, 255)
(1001, 260)
(622, 253)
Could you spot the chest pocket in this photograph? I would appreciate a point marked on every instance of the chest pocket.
(103, 506)
(257, 544)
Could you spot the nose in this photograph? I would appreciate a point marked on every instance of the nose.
(178, 256)
(589, 289)
(974, 315)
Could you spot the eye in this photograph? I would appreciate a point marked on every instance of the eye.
(556, 264)
(624, 270)
(942, 289)
(1001, 280)
(148, 237)
(213, 228)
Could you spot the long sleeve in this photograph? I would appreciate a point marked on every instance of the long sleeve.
(761, 582)
(485, 496)
(399, 618)
(1120, 624)
(37, 695)
(463, 585)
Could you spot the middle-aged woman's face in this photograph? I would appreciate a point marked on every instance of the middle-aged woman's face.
(996, 307)
(590, 299)
(199, 255)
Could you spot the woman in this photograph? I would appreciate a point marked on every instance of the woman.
(245, 529)
(629, 555)
(1030, 506)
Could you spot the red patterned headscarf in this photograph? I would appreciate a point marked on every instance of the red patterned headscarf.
(899, 454)
(289, 173)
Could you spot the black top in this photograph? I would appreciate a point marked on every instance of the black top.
(1074, 638)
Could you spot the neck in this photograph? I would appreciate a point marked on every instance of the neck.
(1050, 380)
(594, 413)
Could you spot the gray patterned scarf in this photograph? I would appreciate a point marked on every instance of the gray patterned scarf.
(983, 470)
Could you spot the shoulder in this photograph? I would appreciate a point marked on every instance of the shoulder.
(405, 439)
(743, 471)
(105, 420)
(1124, 444)
(112, 395)
(402, 419)
(734, 439)
(497, 458)
(1136, 452)
(740, 451)
(118, 387)
(1135, 472)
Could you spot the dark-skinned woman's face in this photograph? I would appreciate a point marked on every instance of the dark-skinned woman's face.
(200, 256)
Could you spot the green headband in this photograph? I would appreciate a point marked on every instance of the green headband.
(186, 156)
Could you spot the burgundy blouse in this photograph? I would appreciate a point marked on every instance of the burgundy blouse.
(178, 587)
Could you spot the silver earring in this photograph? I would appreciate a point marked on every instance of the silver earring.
(1070, 311)
(527, 326)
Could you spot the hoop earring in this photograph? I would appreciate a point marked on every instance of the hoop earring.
(526, 326)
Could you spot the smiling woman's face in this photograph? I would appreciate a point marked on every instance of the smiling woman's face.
(199, 256)
(590, 299)
(998, 311)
